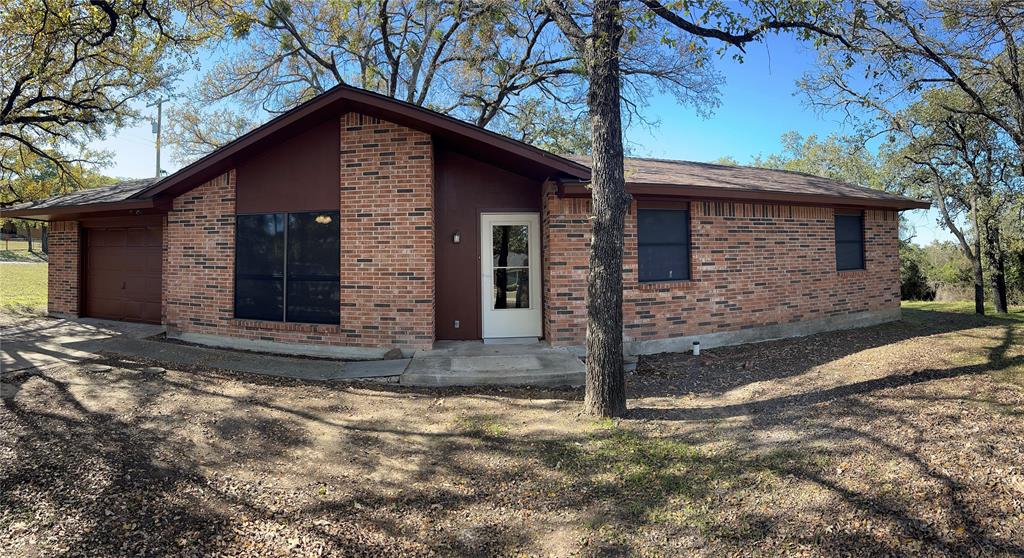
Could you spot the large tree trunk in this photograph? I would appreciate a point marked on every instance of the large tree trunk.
(997, 262)
(979, 276)
(605, 389)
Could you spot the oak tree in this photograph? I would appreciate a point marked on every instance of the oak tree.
(596, 31)
(70, 70)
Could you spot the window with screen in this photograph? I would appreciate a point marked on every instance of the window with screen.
(287, 266)
(663, 241)
(849, 242)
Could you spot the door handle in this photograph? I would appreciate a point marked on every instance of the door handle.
(124, 284)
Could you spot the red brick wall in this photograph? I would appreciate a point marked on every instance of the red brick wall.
(64, 267)
(387, 234)
(199, 245)
(752, 265)
(387, 254)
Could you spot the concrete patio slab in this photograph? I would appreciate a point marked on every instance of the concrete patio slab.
(43, 342)
(474, 363)
(254, 363)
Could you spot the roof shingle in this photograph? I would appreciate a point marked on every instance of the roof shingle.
(116, 192)
(667, 172)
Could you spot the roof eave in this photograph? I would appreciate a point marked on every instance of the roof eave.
(576, 189)
(47, 213)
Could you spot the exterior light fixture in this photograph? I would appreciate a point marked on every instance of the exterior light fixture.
(456, 237)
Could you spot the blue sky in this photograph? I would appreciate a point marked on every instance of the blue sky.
(759, 103)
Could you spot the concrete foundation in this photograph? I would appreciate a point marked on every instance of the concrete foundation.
(277, 347)
(758, 334)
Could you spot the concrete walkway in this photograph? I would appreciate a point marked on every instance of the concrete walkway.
(41, 342)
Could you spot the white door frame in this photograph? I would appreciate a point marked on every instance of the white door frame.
(510, 322)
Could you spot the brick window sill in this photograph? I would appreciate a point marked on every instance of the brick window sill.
(851, 272)
(665, 285)
(263, 325)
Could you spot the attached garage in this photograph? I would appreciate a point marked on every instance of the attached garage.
(122, 270)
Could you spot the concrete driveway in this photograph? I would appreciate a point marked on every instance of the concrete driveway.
(36, 342)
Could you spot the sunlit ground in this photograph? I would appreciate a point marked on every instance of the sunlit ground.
(904, 438)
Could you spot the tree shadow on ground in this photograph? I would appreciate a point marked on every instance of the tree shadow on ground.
(122, 479)
(996, 357)
(720, 370)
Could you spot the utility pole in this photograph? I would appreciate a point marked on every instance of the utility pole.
(159, 103)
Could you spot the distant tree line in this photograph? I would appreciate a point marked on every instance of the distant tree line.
(940, 271)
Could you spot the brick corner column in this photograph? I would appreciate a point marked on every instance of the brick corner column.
(64, 269)
(565, 231)
(199, 255)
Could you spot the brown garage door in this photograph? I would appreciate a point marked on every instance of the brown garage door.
(122, 273)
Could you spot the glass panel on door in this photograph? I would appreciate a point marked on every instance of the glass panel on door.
(511, 263)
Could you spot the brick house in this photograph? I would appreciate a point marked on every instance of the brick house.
(356, 223)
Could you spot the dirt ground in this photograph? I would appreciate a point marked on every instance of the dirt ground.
(902, 439)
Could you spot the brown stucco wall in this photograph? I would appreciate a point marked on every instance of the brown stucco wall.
(466, 187)
(752, 265)
(307, 163)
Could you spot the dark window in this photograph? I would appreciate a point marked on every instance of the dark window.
(259, 267)
(664, 244)
(286, 267)
(849, 242)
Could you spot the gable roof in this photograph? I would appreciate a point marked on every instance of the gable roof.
(695, 179)
(344, 98)
(677, 178)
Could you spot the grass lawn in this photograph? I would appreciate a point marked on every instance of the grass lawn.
(17, 245)
(964, 307)
(900, 439)
(17, 251)
(23, 287)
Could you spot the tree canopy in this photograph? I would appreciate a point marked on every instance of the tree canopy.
(941, 81)
(500, 65)
(71, 70)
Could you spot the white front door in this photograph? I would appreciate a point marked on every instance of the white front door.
(510, 269)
